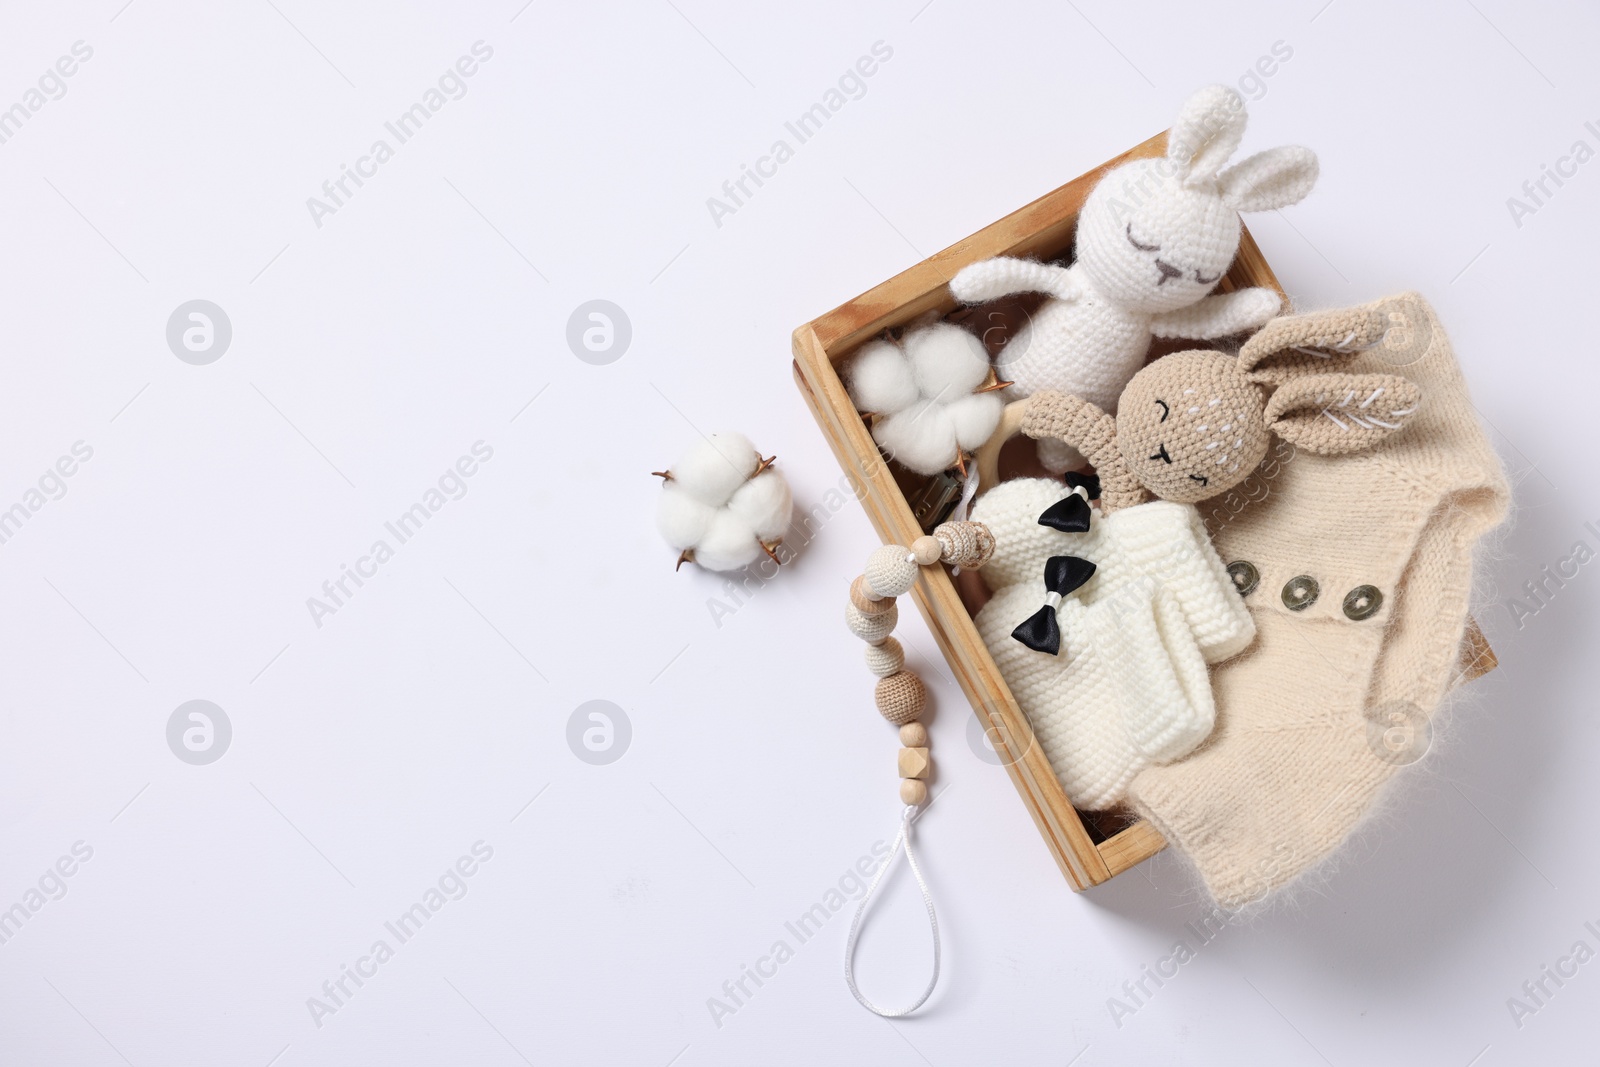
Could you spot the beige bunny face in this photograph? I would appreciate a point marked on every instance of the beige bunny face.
(1190, 426)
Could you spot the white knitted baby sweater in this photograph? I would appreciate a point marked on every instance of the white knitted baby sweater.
(1129, 687)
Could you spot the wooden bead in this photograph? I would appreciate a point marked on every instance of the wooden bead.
(914, 735)
(889, 572)
(866, 601)
(927, 550)
(871, 628)
(914, 763)
(913, 792)
(901, 697)
(886, 658)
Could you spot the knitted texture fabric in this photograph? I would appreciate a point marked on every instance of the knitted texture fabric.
(1195, 424)
(1363, 566)
(1293, 345)
(1129, 687)
(886, 658)
(965, 544)
(1072, 420)
(871, 628)
(889, 573)
(1153, 239)
(1334, 414)
(901, 697)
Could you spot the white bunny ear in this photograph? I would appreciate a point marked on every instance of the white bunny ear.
(1206, 132)
(1275, 178)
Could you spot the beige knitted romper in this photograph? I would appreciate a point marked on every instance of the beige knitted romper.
(1359, 569)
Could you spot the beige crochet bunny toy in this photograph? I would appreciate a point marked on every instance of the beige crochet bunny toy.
(1153, 239)
(1113, 671)
(1195, 424)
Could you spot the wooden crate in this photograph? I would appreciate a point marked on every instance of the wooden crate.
(1089, 848)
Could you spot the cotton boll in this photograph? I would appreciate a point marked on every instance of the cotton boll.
(946, 361)
(713, 468)
(765, 504)
(722, 506)
(920, 438)
(682, 519)
(975, 418)
(880, 380)
(941, 365)
(728, 544)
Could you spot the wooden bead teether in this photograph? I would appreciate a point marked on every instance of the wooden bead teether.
(872, 614)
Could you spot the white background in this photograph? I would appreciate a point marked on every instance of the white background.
(372, 351)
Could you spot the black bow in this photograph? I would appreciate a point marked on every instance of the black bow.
(1070, 514)
(1089, 482)
(1062, 575)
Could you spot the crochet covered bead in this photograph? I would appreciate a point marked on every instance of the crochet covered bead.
(886, 658)
(901, 697)
(871, 628)
(889, 572)
(964, 544)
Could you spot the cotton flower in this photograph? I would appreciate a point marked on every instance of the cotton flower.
(932, 395)
(722, 505)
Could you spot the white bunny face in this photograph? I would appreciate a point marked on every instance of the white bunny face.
(1156, 235)
(1150, 242)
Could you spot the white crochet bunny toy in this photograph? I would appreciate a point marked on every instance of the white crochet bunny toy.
(1153, 238)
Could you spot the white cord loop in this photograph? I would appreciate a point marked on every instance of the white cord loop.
(969, 489)
(902, 839)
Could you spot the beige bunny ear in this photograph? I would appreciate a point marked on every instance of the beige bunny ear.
(1293, 345)
(1335, 414)
(1091, 431)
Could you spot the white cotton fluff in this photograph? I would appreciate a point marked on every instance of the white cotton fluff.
(946, 360)
(924, 395)
(682, 519)
(715, 466)
(712, 508)
(729, 544)
(880, 379)
(920, 437)
(764, 503)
